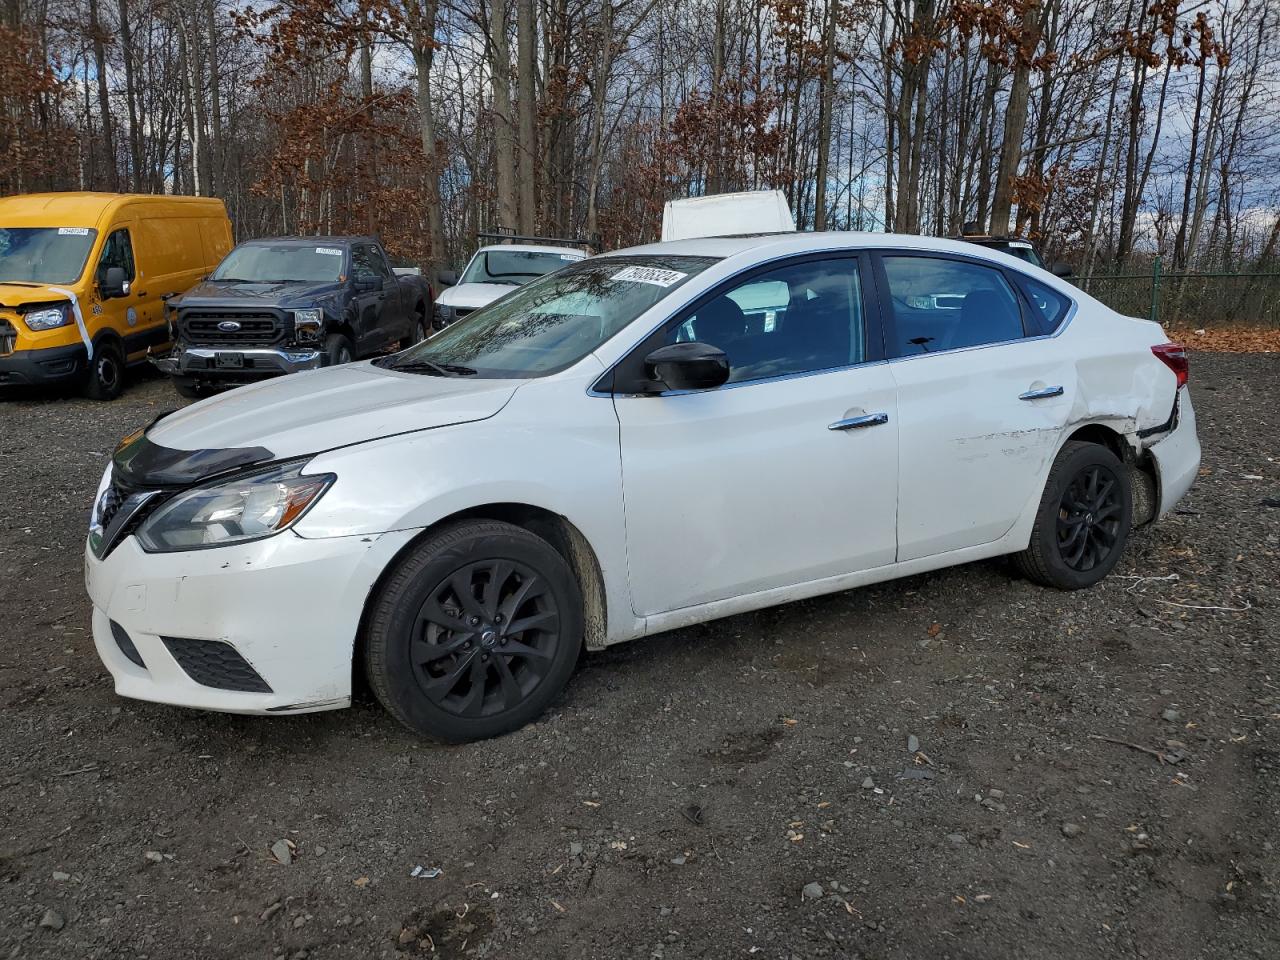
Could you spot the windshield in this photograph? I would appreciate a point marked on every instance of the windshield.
(514, 267)
(39, 255)
(1023, 251)
(281, 263)
(552, 322)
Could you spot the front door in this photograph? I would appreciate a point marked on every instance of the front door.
(784, 475)
(981, 405)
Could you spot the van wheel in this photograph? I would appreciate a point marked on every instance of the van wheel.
(187, 387)
(337, 350)
(1083, 520)
(106, 371)
(475, 632)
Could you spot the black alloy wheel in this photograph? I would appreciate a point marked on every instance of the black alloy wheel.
(1082, 524)
(485, 638)
(474, 632)
(1089, 518)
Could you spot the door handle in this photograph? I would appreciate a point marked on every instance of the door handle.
(854, 423)
(1041, 394)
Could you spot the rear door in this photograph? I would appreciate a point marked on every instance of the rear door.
(786, 474)
(983, 397)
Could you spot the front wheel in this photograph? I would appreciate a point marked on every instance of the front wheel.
(106, 372)
(475, 633)
(337, 350)
(187, 387)
(1083, 520)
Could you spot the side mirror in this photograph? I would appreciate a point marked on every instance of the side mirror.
(114, 284)
(447, 278)
(688, 366)
(364, 282)
(1061, 269)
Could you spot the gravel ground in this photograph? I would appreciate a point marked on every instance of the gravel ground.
(743, 787)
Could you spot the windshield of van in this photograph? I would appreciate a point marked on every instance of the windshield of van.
(281, 263)
(39, 255)
(552, 322)
(514, 267)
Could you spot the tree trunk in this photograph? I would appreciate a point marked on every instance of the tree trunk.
(104, 100)
(503, 134)
(526, 33)
(1015, 120)
(604, 57)
(825, 96)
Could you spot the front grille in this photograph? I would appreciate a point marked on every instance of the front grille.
(8, 338)
(258, 329)
(125, 643)
(212, 663)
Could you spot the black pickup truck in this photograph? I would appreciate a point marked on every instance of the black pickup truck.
(291, 303)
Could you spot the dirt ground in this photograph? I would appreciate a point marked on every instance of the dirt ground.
(741, 788)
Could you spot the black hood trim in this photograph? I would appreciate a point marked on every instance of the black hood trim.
(140, 463)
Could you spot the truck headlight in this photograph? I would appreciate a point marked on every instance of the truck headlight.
(46, 318)
(237, 511)
(444, 314)
(307, 324)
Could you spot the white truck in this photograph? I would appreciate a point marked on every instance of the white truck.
(494, 272)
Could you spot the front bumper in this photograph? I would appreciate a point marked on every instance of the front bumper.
(287, 607)
(1177, 455)
(37, 368)
(202, 362)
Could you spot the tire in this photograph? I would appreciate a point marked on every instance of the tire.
(337, 350)
(188, 388)
(449, 666)
(1082, 523)
(420, 329)
(106, 371)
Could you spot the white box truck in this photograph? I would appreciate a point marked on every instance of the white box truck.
(727, 214)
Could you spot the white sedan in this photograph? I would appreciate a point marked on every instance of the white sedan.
(637, 442)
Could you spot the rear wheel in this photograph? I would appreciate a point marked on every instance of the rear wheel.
(106, 371)
(1083, 521)
(475, 633)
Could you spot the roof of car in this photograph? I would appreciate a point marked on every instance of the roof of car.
(309, 240)
(532, 248)
(801, 241)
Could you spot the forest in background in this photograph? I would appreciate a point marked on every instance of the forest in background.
(1108, 131)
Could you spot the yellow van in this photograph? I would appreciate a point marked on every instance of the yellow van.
(84, 278)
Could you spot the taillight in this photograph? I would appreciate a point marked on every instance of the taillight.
(1173, 356)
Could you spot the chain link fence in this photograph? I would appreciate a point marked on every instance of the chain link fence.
(1190, 299)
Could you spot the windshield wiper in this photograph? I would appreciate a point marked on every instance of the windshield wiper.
(434, 369)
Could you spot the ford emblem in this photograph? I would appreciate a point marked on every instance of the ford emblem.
(229, 326)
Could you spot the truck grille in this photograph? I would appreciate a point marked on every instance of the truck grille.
(8, 338)
(259, 329)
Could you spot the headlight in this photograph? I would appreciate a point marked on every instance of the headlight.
(445, 314)
(307, 324)
(247, 508)
(47, 318)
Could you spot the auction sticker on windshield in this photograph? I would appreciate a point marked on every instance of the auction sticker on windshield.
(329, 251)
(654, 275)
(73, 231)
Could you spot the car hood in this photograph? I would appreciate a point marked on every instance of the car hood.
(30, 294)
(472, 296)
(308, 412)
(213, 293)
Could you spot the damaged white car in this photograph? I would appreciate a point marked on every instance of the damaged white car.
(640, 441)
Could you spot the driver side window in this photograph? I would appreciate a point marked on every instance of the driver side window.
(363, 264)
(799, 318)
(117, 251)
